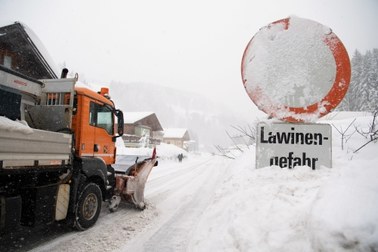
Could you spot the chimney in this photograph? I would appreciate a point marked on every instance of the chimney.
(64, 73)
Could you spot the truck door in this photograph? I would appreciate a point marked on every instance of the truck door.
(82, 125)
(102, 121)
(93, 125)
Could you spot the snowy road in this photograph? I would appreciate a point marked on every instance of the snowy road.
(177, 195)
(181, 194)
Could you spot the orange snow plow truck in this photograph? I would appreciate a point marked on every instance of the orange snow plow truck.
(57, 147)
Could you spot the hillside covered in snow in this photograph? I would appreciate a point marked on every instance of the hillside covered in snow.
(207, 121)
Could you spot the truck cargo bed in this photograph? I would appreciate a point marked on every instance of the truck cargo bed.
(24, 147)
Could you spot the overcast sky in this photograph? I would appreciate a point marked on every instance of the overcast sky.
(194, 45)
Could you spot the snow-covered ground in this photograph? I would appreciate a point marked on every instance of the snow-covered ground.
(211, 203)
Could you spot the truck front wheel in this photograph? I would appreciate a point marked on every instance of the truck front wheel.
(88, 207)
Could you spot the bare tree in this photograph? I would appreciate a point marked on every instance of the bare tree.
(224, 152)
(371, 134)
(249, 132)
(233, 139)
(244, 136)
(344, 136)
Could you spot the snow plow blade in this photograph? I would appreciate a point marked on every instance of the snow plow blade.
(130, 184)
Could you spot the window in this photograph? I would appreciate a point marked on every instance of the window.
(102, 117)
(58, 98)
(8, 61)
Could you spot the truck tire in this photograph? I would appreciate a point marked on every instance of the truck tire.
(88, 207)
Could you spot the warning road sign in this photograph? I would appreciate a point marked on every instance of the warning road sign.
(288, 145)
(296, 70)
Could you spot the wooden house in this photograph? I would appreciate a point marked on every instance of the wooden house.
(22, 51)
(177, 136)
(142, 129)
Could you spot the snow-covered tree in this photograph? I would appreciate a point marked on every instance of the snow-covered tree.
(362, 94)
(349, 102)
(372, 81)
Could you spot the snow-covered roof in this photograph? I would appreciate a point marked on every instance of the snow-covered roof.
(132, 117)
(42, 50)
(25, 42)
(175, 132)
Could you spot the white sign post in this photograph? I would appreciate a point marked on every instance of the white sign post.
(288, 145)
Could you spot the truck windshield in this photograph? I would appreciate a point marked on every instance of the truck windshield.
(102, 117)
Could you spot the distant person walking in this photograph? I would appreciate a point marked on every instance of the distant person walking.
(180, 157)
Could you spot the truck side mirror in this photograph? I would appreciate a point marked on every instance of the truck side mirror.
(119, 115)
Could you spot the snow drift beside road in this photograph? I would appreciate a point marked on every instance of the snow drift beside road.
(344, 213)
(163, 151)
(273, 209)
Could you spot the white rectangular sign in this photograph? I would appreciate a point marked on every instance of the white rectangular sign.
(288, 145)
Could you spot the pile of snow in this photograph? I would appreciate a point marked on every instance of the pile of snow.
(344, 214)
(123, 150)
(163, 151)
(274, 209)
(15, 126)
(169, 151)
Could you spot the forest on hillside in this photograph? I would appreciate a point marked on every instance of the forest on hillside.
(362, 94)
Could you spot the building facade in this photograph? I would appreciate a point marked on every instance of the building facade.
(142, 129)
(22, 51)
(177, 136)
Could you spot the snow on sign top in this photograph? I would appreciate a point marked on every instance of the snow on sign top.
(296, 70)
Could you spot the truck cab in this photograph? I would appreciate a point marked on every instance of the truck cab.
(93, 124)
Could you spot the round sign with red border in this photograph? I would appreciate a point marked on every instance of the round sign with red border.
(296, 70)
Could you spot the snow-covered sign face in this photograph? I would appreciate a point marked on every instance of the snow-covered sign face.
(296, 70)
